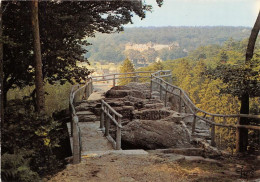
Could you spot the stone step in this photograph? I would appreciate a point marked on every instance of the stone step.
(84, 113)
(202, 135)
(87, 154)
(202, 131)
(88, 118)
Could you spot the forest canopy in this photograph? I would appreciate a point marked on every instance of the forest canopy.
(111, 48)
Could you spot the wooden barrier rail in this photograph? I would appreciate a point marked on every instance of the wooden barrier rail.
(160, 81)
(77, 94)
(108, 114)
(166, 88)
(117, 76)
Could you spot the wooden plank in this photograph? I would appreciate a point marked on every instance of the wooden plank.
(118, 136)
(76, 142)
(194, 124)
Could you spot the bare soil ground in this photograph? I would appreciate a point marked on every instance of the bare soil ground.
(146, 168)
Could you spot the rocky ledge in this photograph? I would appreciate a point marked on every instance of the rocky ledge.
(147, 123)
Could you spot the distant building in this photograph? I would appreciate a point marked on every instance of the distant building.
(150, 45)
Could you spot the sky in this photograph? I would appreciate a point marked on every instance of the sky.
(200, 13)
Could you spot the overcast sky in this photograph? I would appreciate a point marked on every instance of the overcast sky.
(201, 13)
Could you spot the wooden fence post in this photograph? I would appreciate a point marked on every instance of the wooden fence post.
(118, 135)
(213, 143)
(165, 100)
(87, 88)
(107, 125)
(237, 140)
(92, 87)
(180, 104)
(85, 93)
(76, 143)
(71, 120)
(151, 86)
(194, 123)
(157, 84)
(160, 90)
(102, 116)
(114, 80)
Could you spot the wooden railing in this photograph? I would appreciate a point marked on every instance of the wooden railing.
(186, 105)
(159, 82)
(77, 94)
(108, 114)
(136, 76)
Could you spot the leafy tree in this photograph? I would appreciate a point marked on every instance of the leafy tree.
(244, 82)
(63, 27)
(126, 67)
(223, 57)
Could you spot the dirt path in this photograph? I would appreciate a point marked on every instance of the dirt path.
(145, 168)
(92, 138)
(99, 90)
(153, 167)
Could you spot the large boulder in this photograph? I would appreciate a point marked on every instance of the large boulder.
(154, 134)
(147, 123)
(151, 114)
(123, 91)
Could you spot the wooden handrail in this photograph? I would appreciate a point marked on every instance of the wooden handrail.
(184, 98)
(122, 74)
(106, 109)
(75, 129)
(200, 110)
(108, 113)
(115, 76)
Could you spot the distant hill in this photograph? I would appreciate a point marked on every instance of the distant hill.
(165, 43)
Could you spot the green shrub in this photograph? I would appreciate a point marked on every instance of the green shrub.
(24, 130)
(15, 167)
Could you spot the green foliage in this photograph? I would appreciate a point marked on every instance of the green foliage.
(188, 38)
(223, 56)
(240, 79)
(215, 77)
(149, 55)
(15, 167)
(155, 66)
(23, 130)
(64, 25)
(52, 102)
(126, 67)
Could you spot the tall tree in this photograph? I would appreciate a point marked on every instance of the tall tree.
(243, 138)
(37, 56)
(64, 26)
(1, 66)
(126, 67)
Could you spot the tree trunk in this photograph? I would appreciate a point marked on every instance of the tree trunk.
(252, 39)
(243, 134)
(38, 60)
(1, 67)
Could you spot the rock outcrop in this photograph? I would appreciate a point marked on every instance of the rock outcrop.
(146, 122)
